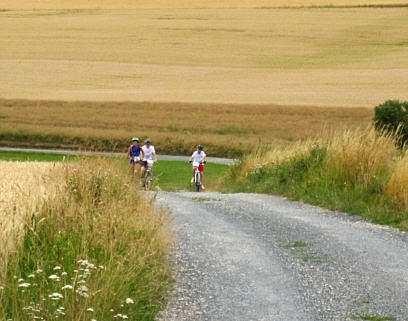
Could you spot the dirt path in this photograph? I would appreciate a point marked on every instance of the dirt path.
(258, 257)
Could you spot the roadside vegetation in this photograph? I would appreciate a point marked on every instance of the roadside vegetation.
(361, 172)
(79, 243)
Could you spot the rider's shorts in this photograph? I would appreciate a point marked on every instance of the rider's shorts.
(134, 161)
(200, 166)
(144, 163)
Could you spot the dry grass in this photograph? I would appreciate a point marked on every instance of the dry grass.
(325, 57)
(223, 126)
(361, 156)
(24, 187)
(354, 171)
(397, 188)
(97, 235)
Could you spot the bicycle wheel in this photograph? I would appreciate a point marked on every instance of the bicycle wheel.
(148, 181)
(197, 182)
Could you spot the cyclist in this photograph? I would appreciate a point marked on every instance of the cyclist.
(149, 156)
(199, 158)
(135, 155)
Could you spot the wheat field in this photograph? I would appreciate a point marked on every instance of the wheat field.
(301, 56)
(23, 188)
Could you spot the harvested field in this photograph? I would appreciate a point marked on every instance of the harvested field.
(225, 129)
(346, 57)
(23, 188)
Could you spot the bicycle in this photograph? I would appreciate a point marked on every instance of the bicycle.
(197, 178)
(148, 178)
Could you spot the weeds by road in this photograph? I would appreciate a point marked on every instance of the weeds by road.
(96, 249)
(359, 172)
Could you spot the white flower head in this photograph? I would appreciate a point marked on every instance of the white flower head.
(67, 287)
(64, 273)
(129, 301)
(31, 276)
(1, 287)
(39, 271)
(54, 277)
(90, 310)
(56, 296)
(57, 268)
(20, 280)
(24, 285)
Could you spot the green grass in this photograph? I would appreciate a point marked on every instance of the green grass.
(34, 157)
(176, 175)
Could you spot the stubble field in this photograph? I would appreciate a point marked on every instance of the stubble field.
(218, 71)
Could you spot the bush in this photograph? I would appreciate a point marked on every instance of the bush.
(392, 116)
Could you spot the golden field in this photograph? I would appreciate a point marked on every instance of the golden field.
(225, 129)
(24, 187)
(349, 57)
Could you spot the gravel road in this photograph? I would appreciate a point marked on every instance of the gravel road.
(258, 257)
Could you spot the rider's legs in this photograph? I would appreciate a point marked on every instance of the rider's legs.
(201, 169)
(136, 171)
(132, 167)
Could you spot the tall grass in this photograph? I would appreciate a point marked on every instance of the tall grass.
(357, 171)
(96, 250)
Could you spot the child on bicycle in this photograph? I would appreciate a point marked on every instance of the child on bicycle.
(149, 157)
(198, 159)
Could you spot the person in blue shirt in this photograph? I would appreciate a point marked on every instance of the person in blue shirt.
(135, 155)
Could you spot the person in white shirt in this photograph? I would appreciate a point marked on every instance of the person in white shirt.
(149, 156)
(198, 159)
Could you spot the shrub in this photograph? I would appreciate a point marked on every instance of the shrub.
(392, 116)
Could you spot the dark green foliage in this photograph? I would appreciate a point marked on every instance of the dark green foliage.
(392, 116)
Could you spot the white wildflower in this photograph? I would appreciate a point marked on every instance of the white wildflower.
(122, 316)
(31, 276)
(20, 280)
(57, 268)
(56, 296)
(129, 301)
(1, 287)
(39, 271)
(54, 277)
(75, 271)
(64, 273)
(24, 285)
(67, 287)
(101, 267)
(90, 310)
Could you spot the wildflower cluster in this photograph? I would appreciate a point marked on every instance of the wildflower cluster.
(61, 289)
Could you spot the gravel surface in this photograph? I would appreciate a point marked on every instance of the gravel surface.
(217, 160)
(259, 257)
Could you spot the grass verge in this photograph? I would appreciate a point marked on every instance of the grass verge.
(352, 172)
(96, 250)
(34, 157)
(176, 175)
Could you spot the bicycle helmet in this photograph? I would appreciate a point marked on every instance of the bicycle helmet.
(135, 139)
(147, 141)
(200, 147)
